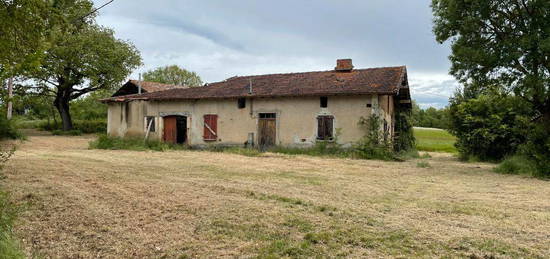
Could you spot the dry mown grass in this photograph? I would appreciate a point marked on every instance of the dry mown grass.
(98, 203)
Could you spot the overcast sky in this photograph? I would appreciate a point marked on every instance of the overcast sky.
(219, 38)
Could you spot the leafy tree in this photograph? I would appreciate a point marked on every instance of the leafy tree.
(503, 43)
(23, 35)
(173, 75)
(82, 58)
(24, 101)
(499, 42)
(86, 108)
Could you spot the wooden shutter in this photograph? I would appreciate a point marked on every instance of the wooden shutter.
(210, 127)
(328, 127)
(320, 128)
(324, 127)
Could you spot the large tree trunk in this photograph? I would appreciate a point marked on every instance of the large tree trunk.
(62, 105)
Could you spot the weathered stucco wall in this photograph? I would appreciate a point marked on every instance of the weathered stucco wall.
(296, 123)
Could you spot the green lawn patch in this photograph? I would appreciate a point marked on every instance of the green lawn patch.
(9, 246)
(434, 140)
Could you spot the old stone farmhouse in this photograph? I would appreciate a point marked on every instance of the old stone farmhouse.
(294, 109)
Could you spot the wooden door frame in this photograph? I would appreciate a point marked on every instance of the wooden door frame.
(277, 115)
(176, 115)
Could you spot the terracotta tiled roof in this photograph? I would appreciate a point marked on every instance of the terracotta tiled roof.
(130, 87)
(387, 80)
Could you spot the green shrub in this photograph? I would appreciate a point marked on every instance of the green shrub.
(67, 133)
(405, 139)
(28, 124)
(537, 149)
(130, 143)
(91, 126)
(48, 126)
(376, 143)
(517, 165)
(8, 129)
(489, 126)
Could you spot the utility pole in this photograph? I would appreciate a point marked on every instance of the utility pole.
(10, 97)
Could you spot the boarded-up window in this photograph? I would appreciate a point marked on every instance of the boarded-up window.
(324, 127)
(210, 127)
(150, 123)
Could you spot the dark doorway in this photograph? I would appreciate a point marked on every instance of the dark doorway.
(267, 132)
(181, 125)
(175, 129)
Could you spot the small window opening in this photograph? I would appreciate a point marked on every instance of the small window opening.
(150, 124)
(369, 105)
(241, 103)
(267, 116)
(324, 102)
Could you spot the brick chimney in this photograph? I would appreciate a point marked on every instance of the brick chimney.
(344, 65)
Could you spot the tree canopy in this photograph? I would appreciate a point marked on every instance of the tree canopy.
(430, 117)
(501, 53)
(82, 57)
(499, 42)
(173, 75)
(23, 34)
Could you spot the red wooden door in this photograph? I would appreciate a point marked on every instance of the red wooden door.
(170, 129)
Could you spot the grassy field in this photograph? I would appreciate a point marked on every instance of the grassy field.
(186, 204)
(434, 140)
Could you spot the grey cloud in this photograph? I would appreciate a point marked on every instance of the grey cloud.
(220, 38)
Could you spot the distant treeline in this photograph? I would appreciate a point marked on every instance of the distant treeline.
(430, 117)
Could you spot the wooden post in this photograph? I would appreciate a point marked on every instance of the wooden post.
(149, 129)
(10, 96)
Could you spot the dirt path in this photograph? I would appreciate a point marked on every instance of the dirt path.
(98, 203)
